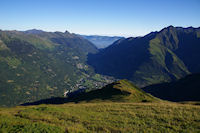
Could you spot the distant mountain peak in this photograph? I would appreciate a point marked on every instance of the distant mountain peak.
(171, 26)
(168, 28)
(67, 32)
(33, 31)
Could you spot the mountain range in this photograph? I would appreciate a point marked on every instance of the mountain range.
(101, 41)
(163, 56)
(35, 65)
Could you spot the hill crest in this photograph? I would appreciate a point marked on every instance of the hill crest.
(119, 91)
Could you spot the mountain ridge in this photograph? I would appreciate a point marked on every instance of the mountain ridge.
(36, 66)
(119, 91)
(156, 57)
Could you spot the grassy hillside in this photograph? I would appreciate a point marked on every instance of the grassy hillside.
(117, 107)
(119, 91)
(169, 54)
(102, 117)
(38, 65)
(184, 89)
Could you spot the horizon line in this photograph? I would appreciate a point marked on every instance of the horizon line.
(95, 34)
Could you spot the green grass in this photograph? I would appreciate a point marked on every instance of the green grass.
(3, 46)
(119, 91)
(102, 117)
(117, 107)
(13, 62)
(198, 34)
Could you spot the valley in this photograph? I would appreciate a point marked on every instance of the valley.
(60, 82)
(99, 66)
(101, 41)
(30, 60)
(35, 65)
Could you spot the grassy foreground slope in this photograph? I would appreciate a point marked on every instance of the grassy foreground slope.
(102, 117)
(117, 107)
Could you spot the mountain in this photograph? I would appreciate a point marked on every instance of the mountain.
(184, 89)
(35, 65)
(157, 57)
(119, 91)
(101, 41)
(33, 31)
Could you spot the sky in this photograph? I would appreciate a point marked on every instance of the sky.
(99, 17)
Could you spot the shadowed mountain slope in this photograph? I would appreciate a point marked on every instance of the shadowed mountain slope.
(160, 56)
(185, 89)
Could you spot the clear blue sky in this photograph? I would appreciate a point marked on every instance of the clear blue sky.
(103, 17)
